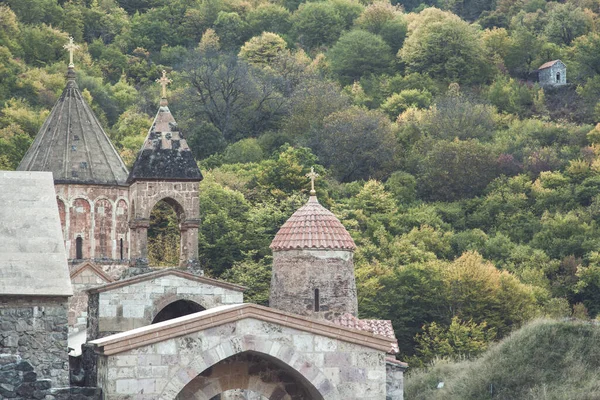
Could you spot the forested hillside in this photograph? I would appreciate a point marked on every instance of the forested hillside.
(473, 194)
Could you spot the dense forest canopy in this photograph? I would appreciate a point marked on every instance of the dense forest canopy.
(472, 193)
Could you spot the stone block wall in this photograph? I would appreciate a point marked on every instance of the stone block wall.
(183, 196)
(35, 328)
(395, 380)
(136, 304)
(296, 275)
(97, 214)
(18, 380)
(337, 369)
(83, 278)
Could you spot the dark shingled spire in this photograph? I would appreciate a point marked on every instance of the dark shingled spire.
(165, 154)
(72, 144)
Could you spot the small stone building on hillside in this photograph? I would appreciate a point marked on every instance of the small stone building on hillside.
(553, 73)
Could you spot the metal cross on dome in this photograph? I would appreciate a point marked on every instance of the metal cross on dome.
(164, 81)
(70, 47)
(312, 175)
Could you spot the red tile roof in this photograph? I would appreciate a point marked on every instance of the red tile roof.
(382, 327)
(548, 64)
(313, 226)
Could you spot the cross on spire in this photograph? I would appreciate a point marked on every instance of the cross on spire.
(164, 81)
(70, 47)
(312, 175)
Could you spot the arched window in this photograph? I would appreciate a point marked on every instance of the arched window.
(317, 300)
(121, 247)
(558, 77)
(79, 248)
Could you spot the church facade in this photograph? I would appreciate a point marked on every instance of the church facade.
(172, 333)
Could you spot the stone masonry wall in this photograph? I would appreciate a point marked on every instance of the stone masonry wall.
(297, 273)
(78, 304)
(99, 215)
(133, 306)
(18, 380)
(338, 370)
(547, 76)
(394, 381)
(184, 197)
(35, 328)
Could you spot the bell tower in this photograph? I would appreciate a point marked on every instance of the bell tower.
(165, 169)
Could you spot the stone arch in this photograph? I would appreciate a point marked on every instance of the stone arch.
(255, 372)
(172, 199)
(175, 309)
(80, 225)
(121, 218)
(103, 227)
(283, 354)
(170, 249)
(62, 213)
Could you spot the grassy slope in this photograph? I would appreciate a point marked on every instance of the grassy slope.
(548, 360)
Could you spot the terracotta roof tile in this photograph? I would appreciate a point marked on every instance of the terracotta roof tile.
(382, 327)
(313, 226)
(548, 64)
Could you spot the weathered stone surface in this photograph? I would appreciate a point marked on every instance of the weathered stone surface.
(98, 215)
(72, 144)
(394, 380)
(136, 302)
(18, 381)
(298, 273)
(552, 73)
(183, 197)
(39, 326)
(206, 363)
(32, 255)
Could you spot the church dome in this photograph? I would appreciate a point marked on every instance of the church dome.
(312, 226)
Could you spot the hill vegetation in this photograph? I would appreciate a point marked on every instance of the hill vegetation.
(547, 360)
(472, 193)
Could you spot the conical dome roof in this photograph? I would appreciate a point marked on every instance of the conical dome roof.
(72, 144)
(313, 226)
(165, 153)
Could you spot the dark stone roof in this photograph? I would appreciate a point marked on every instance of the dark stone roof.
(165, 154)
(73, 146)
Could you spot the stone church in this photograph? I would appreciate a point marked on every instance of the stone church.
(140, 332)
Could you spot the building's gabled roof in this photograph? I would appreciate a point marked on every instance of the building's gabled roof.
(313, 226)
(166, 272)
(549, 64)
(91, 267)
(33, 260)
(381, 327)
(218, 316)
(72, 144)
(165, 154)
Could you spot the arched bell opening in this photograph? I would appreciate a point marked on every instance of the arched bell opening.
(251, 372)
(164, 233)
(177, 309)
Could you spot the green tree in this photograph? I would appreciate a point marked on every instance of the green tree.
(457, 169)
(317, 24)
(397, 103)
(263, 49)
(566, 22)
(448, 49)
(269, 18)
(459, 340)
(358, 53)
(356, 144)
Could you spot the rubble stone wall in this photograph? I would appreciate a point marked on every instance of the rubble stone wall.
(35, 328)
(298, 273)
